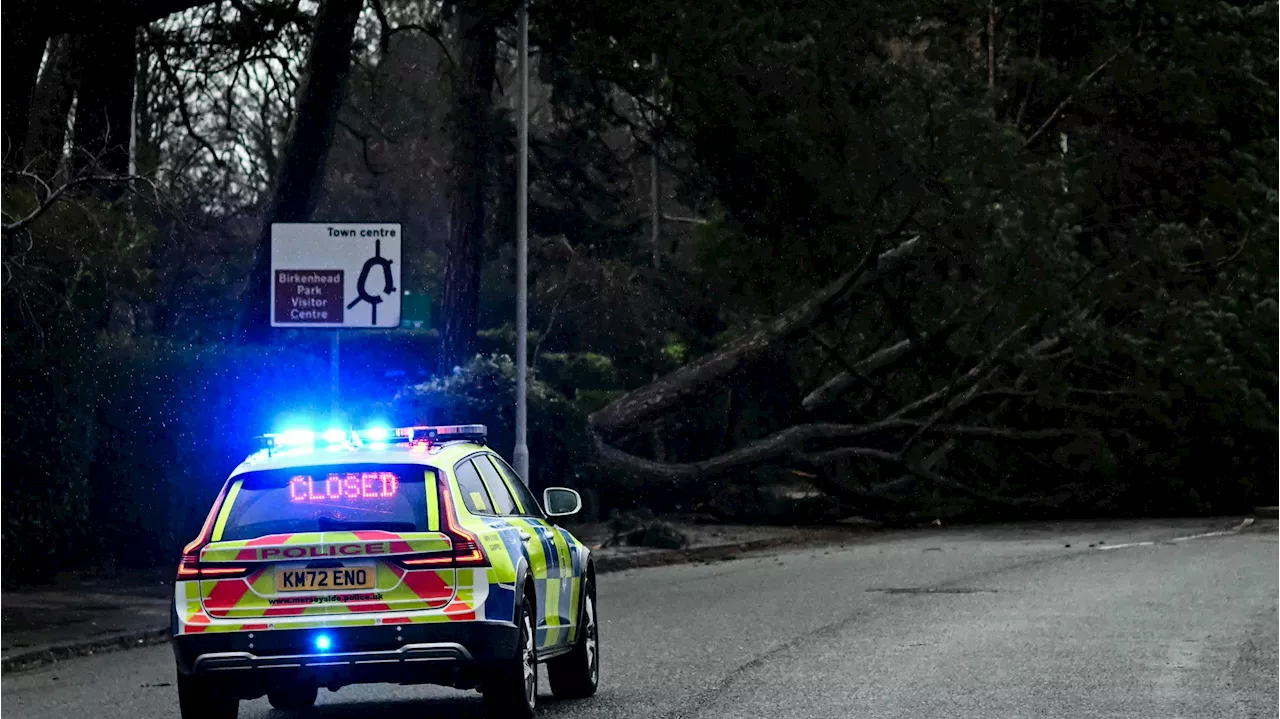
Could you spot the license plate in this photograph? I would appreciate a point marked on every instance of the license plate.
(355, 576)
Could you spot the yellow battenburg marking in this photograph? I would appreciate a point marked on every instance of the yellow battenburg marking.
(552, 612)
(575, 597)
(504, 570)
(433, 503)
(221, 524)
(385, 579)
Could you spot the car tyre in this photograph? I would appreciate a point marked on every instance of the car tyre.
(511, 690)
(293, 698)
(200, 698)
(576, 675)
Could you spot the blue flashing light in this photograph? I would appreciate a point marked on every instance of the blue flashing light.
(377, 437)
(296, 438)
(323, 642)
(375, 434)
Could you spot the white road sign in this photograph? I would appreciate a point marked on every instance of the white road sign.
(335, 274)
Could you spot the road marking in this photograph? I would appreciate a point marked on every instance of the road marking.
(1234, 530)
(1122, 546)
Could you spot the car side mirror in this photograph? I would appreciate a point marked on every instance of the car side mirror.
(561, 502)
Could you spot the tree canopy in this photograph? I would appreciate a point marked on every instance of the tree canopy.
(1003, 258)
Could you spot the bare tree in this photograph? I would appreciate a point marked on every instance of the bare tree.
(54, 94)
(302, 159)
(27, 27)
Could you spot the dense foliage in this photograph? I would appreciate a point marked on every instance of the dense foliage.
(1086, 322)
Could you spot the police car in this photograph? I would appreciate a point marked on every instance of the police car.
(409, 556)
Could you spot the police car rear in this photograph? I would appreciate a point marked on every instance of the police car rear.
(328, 563)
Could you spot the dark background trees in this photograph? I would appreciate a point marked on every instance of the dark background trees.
(931, 258)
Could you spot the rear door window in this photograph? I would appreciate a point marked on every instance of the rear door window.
(523, 495)
(330, 498)
(502, 498)
(474, 495)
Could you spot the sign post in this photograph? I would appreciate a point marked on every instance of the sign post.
(521, 453)
(335, 275)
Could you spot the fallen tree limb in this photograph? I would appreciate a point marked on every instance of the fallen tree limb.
(837, 386)
(773, 448)
(638, 408)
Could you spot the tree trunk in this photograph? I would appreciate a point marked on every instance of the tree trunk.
(24, 45)
(304, 154)
(47, 132)
(107, 68)
(836, 387)
(472, 129)
(638, 408)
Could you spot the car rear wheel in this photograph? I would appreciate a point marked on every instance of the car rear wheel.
(577, 674)
(199, 698)
(293, 698)
(511, 690)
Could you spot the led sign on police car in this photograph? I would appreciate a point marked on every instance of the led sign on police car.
(349, 485)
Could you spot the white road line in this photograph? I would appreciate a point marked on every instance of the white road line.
(1122, 546)
(1234, 530)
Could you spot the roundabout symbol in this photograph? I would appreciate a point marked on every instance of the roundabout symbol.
(388, 284)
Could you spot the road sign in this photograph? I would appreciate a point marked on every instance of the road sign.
(335, 274)
(415, 310)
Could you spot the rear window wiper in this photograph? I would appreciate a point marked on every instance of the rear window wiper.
(329, 523)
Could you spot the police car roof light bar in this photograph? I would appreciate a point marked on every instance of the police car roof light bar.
(429, 434)
(443, 433)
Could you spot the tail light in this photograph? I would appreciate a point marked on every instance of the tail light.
(466, 551)
(189, 567)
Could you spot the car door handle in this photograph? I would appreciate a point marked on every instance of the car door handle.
(525, 536)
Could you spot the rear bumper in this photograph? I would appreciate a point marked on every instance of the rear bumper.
(400, 653)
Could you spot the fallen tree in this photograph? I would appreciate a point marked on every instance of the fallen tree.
(910, 439)
(638, 408)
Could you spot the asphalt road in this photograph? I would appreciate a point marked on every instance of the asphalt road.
(999, 622)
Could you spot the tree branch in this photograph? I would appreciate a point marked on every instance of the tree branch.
(52, 196)
(642, 405)
(838, 385)
(1053, 116)
(919, 471)
(770, 449)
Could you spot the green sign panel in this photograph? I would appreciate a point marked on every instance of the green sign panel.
(415, 310)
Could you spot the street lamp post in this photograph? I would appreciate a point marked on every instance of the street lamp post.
(521, 453)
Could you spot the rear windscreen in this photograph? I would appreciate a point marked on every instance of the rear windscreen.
(332, 498)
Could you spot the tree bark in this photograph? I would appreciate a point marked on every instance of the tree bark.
(24, 45)
(460, 305)
(26, 27)
(55, 90)
(305, 151)
(837, 386)
(107, 69)
(641, 406)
